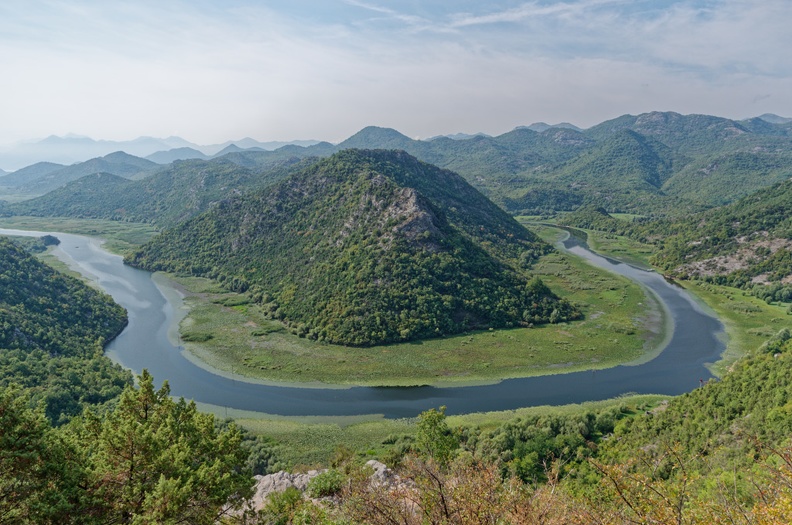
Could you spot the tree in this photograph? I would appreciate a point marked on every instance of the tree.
(156, 460)
(22, 436)
(434, 438)
(38, 481)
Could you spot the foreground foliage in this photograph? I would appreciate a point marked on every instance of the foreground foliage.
(149, 459)
(720, 454)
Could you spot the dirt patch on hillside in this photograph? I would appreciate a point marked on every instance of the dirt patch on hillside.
(741, 259)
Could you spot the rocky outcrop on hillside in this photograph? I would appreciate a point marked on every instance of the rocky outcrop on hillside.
(382, 476)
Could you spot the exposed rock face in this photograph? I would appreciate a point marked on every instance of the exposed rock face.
(279, 482)
(382, 474)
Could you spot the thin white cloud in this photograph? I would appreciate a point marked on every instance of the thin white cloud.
(530, 10)
(415, 23)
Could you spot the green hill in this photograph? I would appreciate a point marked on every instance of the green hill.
(725, 177)
(367, 247)
(42, 309)
(593, 218)
(45, 180)
(662, 164)
(29, 174)
(52, 332)
(173, 194)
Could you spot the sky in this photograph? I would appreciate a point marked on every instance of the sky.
(211, 71)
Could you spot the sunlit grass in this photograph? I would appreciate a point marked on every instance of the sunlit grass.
(748, 321)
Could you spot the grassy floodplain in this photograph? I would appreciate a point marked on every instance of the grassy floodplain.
(310, 442)
(230, 334)
(119, 236)
(749, 321)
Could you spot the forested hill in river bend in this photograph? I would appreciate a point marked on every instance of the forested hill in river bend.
(368, 247)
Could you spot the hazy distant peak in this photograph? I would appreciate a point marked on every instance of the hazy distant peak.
(174, 154)
(119, 156)
(774, 119)
(459, 136)
(539, 127)
(376, 137)
(231, 148)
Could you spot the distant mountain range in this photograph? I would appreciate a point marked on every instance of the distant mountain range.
(43, 177)
(657, 163)
(71, 149)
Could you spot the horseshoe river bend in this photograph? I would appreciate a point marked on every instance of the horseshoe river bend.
(695, 341)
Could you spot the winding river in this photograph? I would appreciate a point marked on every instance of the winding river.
(696, 341)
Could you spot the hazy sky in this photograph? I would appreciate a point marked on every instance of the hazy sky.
(210, 70)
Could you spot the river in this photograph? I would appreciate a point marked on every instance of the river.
(696, 341)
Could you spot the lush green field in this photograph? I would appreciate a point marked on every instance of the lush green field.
(119, 236)
(622, 248)
(228, 333)
(304, 443)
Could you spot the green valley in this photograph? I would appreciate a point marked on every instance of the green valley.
(375, 268)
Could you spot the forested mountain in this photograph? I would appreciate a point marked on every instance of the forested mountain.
(43, 179)
(52, 333)
(486, 162)
(29, 174)
(624, 171)
(651, 163)
(175, 193)
(659, 163)
(367, 247)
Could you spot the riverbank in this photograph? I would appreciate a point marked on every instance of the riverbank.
(748, 321)
(116, 237)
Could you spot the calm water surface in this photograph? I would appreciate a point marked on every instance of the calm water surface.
(144, 344)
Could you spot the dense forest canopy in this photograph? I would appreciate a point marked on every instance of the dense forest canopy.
(53, 329)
